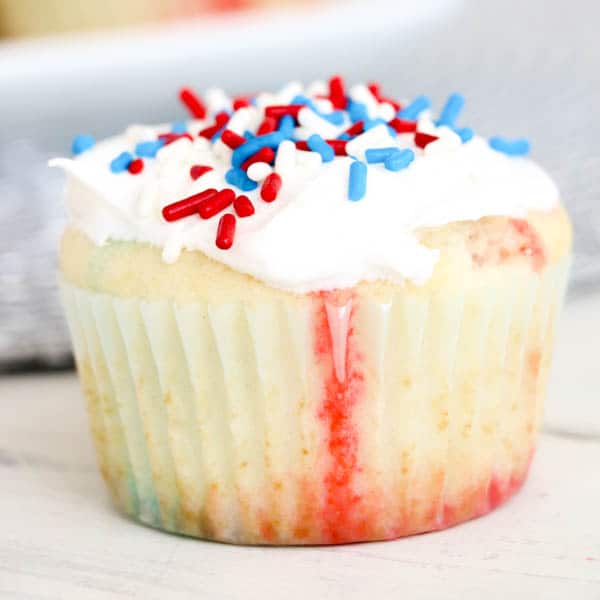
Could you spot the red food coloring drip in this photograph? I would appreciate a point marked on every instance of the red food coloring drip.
(376, 91)
(232, 139)
(265, 154)
(196, 171)
(270, 187)
(188, 206)
(216, 203)
(402, 125)
(356, 129)
(268, 125)
(241, 102)
(169, 138)
(339, 146)
(192, 103)
(221, 120)
(243, 206)
(337, 93)
(136, 166)
(225, 231)
(276, 112)
(423, 139)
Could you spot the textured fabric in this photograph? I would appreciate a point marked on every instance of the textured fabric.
(527, 69)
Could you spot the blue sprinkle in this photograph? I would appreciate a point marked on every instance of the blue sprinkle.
(378, 155)
(357, 111)
(399, 160)
(252, 146)
(465, 133)
(451, 110)
(120, 164)
(518, 147)
(249, 134)
(335, 118)
(82, 142)
(357, 184)
(218, 135)
(415, 108)
(370, 123)
(344, 136)
(180, 127)
(240, 179)
(287, 126)
(149, 149)
(317, 144)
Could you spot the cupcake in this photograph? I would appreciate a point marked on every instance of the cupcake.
(312, 316)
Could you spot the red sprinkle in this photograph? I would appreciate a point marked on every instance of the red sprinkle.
(216, 203)
(357, 128)
(375, 90)
(192, 103)
(302, 145)
(339, 146)
(169, 138)
(188, 206)
(243, 207)
(220, 122)
(265, 154)
(225, 231)
(403, 126)
(276, 112)
(267, 126)
(270, 187)
(337, 93)
(422, 139)
(136, 166)
(241, 102)
(232, 139)
(197, 171)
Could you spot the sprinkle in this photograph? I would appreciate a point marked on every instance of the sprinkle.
(422, 139)
(268, 125)
(186, 207)
(120, 164)
(276, 112)
(179, 127)
(266, 155)
(232, 139)
(82, 142)
(451, 110)
(335, 117)
(285, 161)
(216, 203)
(192, 103)
(518, 147)
(370, 123)
(225, 232)
(270, 187)
(286, 126)
(251, 147)
(357, 184)
(317, 144)
(240, 179)
(136, 166)
(375, 90)
(403, 126)
(337, 94)
(465, 133)
(221, 120)
(243, 207)
(415, 108)
(169, 138)
(241, 102)
(357, 111)
(399, 160)
(356, 129)
(259, 171)
(344, 136)
(196, 171)
(149, 149)
(379, 155)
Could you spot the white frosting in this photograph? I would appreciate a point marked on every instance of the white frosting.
(312, 237)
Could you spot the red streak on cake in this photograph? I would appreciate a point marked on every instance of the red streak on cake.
(341, 512)
(531, 244)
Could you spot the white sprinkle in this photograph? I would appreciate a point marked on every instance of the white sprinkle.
(309, 119)
(217, 100)
(361, 93)
(285, 160)
(324, 105)
(425, 124)
(259, 171)
(310, 162)
(287, 93)
(243, 119)
(386, 111)
(376, 137)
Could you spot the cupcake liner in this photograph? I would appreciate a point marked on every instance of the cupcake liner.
(332, 419)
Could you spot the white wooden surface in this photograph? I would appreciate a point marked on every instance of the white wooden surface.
(60, 538)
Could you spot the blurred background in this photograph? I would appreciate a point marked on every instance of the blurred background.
(527, 68)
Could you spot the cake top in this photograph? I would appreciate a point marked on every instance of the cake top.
(305, 189)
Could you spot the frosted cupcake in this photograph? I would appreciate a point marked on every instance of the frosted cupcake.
(311, 317)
